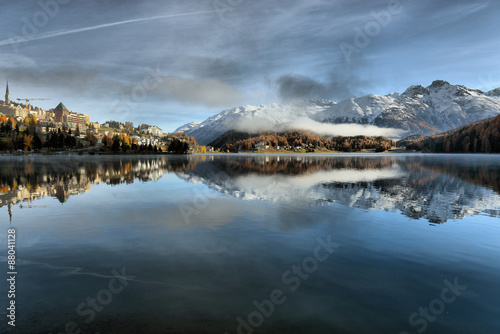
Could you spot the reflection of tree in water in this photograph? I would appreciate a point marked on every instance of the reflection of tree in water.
(61, 194)
(480, 170)
(61, 177)
(297, 165)
(434, 188)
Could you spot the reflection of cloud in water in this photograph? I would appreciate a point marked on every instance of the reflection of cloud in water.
(436, 188)
(417, 186)
(304, 187)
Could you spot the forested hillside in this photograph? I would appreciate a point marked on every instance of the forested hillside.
(234, 141)
(479, 137)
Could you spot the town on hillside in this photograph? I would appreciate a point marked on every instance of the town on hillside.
(25, 128)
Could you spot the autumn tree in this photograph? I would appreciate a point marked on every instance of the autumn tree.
(28, 143)
(89, 136)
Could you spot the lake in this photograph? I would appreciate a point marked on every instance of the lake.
(252, 243)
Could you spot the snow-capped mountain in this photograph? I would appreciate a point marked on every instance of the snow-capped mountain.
(250, 118)
(187, 127)
(419, 110)
(494, 92)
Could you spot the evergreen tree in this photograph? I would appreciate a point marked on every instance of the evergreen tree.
(37, 142)
(9, 127)
(116, 144)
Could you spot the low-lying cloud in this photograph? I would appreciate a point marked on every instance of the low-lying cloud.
(254, 125)
(257, 124)
(344, 129)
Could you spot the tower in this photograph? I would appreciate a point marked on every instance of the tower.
(7, 95)
(10, 211)
(59, 112)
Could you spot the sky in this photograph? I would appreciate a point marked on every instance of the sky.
(175, 61)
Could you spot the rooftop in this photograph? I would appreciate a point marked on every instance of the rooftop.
(60, 106)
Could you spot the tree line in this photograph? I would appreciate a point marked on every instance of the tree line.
(234, 141)
(479, 137)
(24, 135)
(12, 138)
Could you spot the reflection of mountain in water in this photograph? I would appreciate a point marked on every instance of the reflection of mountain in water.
(437, 201)
(436, 188)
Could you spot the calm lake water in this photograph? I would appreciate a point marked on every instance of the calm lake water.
(253, 244)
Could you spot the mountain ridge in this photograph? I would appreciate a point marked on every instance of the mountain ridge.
(418, 110)
(186, 127)
(478, 137)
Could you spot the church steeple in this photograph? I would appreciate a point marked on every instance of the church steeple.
(10, 211)
(7, 95)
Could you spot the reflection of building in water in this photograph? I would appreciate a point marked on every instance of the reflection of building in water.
(414, 187)
(59, 190)
(55, 179)
(10, 212)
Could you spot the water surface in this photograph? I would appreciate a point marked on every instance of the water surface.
(206, 242)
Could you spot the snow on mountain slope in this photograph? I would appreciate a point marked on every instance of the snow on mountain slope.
(419, 110)
(494, 92)
(362, 110)
(187, 127)
(252, 118)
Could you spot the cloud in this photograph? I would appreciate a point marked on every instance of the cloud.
(339, 85)
(456, 12)
(344, 84)
(257, 124)
(294, 46)
(71, 78)
(222, 68)
(296, 87)
(94, 81)
(19, 39)
(344, 129)
(212, 93)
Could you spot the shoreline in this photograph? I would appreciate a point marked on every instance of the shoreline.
(80, 153)
(73, 154)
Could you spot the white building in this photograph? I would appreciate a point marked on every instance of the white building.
(153, 130)
(10, 110)
(147, 141)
